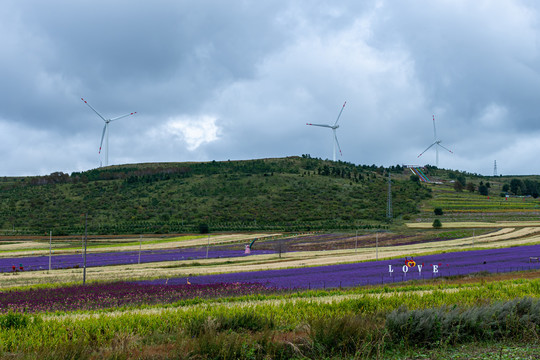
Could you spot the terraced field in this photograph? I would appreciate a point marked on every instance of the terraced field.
(466, 206)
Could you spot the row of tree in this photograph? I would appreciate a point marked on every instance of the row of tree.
(522, 187)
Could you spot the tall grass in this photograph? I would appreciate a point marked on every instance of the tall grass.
(365, 323)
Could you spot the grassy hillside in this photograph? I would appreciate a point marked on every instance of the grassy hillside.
(296, 193)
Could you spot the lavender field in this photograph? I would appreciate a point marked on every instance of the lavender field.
(117, 295)
(378, 272)
(117, 258)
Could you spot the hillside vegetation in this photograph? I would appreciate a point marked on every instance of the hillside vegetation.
(289, 194)
(466, 197)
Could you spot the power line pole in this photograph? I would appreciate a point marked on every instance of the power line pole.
(140, 246)
(377, 246)
(50, 249)
(85, 241)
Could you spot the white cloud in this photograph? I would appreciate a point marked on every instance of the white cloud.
(194, 131)
(493, 116)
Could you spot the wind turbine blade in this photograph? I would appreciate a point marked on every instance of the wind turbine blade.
(429, 147)
(434, 129)
(445, 148)
(345, 103)
(90, 106)
(322, 125)
(102, 136)
(337, 142)
(123, 116)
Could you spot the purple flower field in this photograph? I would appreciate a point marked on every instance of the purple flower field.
(117, 258)
(377, 272)
(113, 295)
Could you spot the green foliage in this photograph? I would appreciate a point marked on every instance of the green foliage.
(438, 211)
(203, 228)
(13, 320)
(517, 319)
(289, 194)
(483, 190)
(458, 186)
(516, 186)
(239, 321)
(337, 335)
(437, 224)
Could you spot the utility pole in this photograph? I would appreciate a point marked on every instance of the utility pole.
(85, 241)
(207, 246)
(377, 246)
(50, 249)
(389, 213)
(140, 245)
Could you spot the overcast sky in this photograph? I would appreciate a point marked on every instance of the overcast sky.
(219, 80)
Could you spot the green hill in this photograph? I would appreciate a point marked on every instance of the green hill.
(286, 194)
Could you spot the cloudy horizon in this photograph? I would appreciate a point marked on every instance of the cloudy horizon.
(213, 80)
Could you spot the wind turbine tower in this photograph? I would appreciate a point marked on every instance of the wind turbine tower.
(437, 144)
(106, 130)
(334, 128)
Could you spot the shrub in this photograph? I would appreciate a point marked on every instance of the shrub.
(516, 319)
(245, 321)
(331, 336)
(14, 320)
(438, 211)
(437, 224)
(458, 186)
(483, 190)
(203, 228)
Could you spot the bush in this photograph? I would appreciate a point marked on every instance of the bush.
(438, 211)
(483, 190)
(331, 336)
(245, 321)
(516, 319)
(204, 229)
(437, 224)
(14, 320)
(458, 186)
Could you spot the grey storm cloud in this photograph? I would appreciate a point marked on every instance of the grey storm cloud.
(215, 80)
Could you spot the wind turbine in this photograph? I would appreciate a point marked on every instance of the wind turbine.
(437, 144)
(333, 127)
(106, 130)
